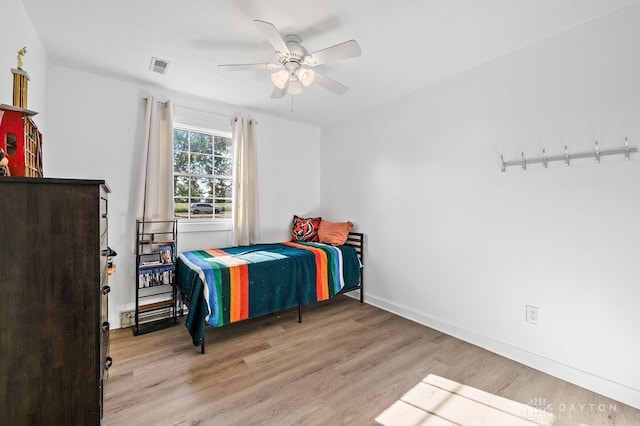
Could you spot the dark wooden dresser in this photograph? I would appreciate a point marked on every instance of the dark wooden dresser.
(54, 329)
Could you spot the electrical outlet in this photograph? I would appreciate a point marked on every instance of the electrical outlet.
(533, 315)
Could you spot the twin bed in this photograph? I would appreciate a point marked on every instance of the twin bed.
(222, 286)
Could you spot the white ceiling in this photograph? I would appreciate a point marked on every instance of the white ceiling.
(405, 44)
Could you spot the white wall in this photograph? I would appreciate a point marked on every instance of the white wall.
(95, 131)
(18, 33)
(457, 245)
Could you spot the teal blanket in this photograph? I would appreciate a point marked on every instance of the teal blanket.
(232, 284)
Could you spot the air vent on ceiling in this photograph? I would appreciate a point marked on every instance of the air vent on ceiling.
(159, 65)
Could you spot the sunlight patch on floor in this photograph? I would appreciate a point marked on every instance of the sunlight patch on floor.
(439, 401)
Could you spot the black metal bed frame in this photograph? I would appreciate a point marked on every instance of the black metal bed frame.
(355, 240)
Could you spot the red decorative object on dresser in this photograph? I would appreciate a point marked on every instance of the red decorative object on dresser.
(21, 141)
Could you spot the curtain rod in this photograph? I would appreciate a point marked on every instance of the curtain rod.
(146, 98)
(226, 117)
(251, 120)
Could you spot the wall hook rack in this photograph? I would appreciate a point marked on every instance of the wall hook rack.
(523, 162)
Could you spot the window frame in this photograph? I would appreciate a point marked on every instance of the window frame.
(190, 223)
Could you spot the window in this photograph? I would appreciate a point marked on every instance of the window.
(202, 173)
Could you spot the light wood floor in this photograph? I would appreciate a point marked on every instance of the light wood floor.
(345, 363)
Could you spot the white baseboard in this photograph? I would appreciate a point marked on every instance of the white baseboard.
(611, 389)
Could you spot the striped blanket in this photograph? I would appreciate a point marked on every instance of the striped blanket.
(236, 283)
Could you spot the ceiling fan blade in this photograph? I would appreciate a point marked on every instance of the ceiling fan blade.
(345, 50)
(279, 93)
(245, 67)
(271, 33)
(329, 84)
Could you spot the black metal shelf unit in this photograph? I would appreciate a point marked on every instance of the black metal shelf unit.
(156, 292)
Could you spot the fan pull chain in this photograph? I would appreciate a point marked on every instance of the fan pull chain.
(291, 103)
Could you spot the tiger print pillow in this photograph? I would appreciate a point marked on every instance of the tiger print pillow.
(305, 229)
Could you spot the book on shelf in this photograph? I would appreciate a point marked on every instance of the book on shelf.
(155, 276)
(147, 265)
(149, 259)
(166, 253)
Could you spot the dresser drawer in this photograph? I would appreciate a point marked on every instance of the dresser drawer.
(104, 213)
(104, 258)
(105, 328)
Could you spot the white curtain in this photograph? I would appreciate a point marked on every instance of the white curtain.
(245, 190)
(155, 187)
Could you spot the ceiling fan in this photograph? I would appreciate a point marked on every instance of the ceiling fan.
(293, 70)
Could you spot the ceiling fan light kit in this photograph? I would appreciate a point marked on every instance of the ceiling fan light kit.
(293, 62)
(281, 78)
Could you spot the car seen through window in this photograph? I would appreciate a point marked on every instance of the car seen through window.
(204, 208)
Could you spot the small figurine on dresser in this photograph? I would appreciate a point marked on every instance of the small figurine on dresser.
(4, 162)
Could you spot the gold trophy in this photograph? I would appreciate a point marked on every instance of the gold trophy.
(20, 82)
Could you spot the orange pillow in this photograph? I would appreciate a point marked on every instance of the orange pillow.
(334, 233)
